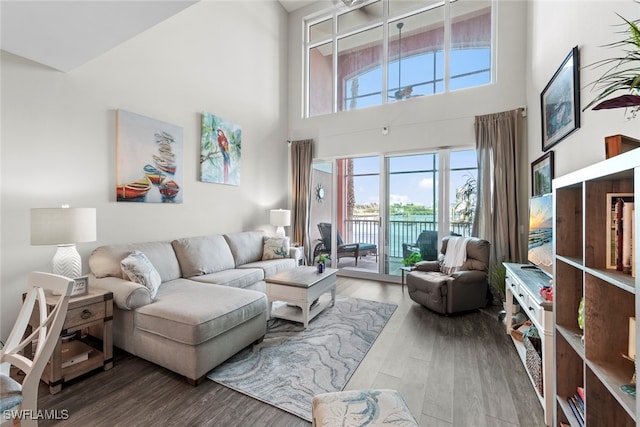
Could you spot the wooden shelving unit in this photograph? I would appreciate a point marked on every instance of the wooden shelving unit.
(592, 358)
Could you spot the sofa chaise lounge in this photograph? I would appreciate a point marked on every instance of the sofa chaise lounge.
(210, 303)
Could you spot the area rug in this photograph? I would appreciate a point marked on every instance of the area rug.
(292, 364)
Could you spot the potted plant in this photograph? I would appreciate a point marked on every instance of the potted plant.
(412, 259)
(322, 262)
(497, 280)
(623, 73)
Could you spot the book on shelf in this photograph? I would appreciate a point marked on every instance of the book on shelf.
(580, 391)
(620, 236)
(74, 351)
(578, 404)
(576, 413)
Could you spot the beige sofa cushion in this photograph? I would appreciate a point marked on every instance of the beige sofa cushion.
(271, 266)
(105, 260)
(246, 246)
(192, 313)
(203, 255)
(236, 278)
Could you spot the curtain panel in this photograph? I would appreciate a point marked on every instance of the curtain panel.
(498, 143)
(301, 159)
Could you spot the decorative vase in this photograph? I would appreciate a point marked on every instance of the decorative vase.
(321, 267)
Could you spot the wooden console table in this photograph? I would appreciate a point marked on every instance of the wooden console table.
(524, 285)
(90, 316)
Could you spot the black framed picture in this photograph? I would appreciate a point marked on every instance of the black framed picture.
(542, 175)
(560, 102)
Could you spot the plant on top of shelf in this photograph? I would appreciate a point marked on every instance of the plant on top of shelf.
(623, 73)
(412, 259)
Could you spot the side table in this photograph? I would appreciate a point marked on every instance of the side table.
(405, 269)
(90, 317)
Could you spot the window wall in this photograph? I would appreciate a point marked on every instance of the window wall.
(389, 51)
(432, 193)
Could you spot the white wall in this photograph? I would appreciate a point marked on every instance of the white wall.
(58, 132)
(419, 123)
(554, 28)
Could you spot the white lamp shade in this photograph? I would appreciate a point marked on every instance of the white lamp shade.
(280, 217)
(53, 226)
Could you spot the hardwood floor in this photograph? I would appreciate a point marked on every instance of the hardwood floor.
(452, 371)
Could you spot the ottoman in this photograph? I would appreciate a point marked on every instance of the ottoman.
(361, 408)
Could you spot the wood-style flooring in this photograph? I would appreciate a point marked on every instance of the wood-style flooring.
(460, 370)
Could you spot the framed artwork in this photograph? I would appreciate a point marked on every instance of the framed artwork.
(220, 151)
(542, 175)
(148, 159)
(560, 102)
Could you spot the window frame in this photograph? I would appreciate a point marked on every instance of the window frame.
(386, 20)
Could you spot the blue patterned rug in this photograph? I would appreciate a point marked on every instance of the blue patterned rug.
(292, 364)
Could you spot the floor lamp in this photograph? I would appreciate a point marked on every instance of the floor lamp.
(64, 227)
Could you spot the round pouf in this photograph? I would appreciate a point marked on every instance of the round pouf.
(361, 408)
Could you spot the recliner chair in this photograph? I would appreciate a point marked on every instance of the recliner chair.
(463, 290)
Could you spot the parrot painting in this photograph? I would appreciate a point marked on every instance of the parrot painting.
(220, 151)
(223, 144)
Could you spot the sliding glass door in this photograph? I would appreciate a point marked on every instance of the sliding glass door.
(425, 196)
(412, 206)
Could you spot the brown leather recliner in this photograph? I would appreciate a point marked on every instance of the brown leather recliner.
(465, 289)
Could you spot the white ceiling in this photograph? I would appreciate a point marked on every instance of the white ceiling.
(291, 5)
(66, 34)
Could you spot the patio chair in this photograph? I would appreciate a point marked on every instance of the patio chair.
(355, 250)
(426, 245)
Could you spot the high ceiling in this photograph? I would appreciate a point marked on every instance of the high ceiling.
(291, 5)
(66, 34)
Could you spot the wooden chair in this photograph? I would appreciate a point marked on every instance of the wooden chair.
(23, 397)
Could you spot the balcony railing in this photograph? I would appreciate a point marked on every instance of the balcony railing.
(406, 231)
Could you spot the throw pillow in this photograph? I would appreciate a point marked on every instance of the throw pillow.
(139, 269)
(275, 247)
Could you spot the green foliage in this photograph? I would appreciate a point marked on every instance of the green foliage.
(581, 314)
(466, 199)
(497, 279)
(409, 209)
(412, 259)
(210, 150)
(322, 258)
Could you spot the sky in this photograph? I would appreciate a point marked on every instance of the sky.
(417, 187)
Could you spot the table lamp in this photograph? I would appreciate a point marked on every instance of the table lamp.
(64, 227)
(280, 218)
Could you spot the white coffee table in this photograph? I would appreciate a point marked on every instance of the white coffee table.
(300, 287)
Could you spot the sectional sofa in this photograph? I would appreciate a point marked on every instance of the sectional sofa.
(210, 302)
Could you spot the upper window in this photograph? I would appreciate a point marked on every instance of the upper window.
(392, 50)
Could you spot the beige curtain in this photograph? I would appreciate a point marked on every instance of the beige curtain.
(301, 158)
(498, 142)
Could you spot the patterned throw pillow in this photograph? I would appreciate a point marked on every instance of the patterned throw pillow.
(275, 247)
(139, 269)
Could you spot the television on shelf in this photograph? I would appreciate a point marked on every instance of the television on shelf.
(540, 247)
